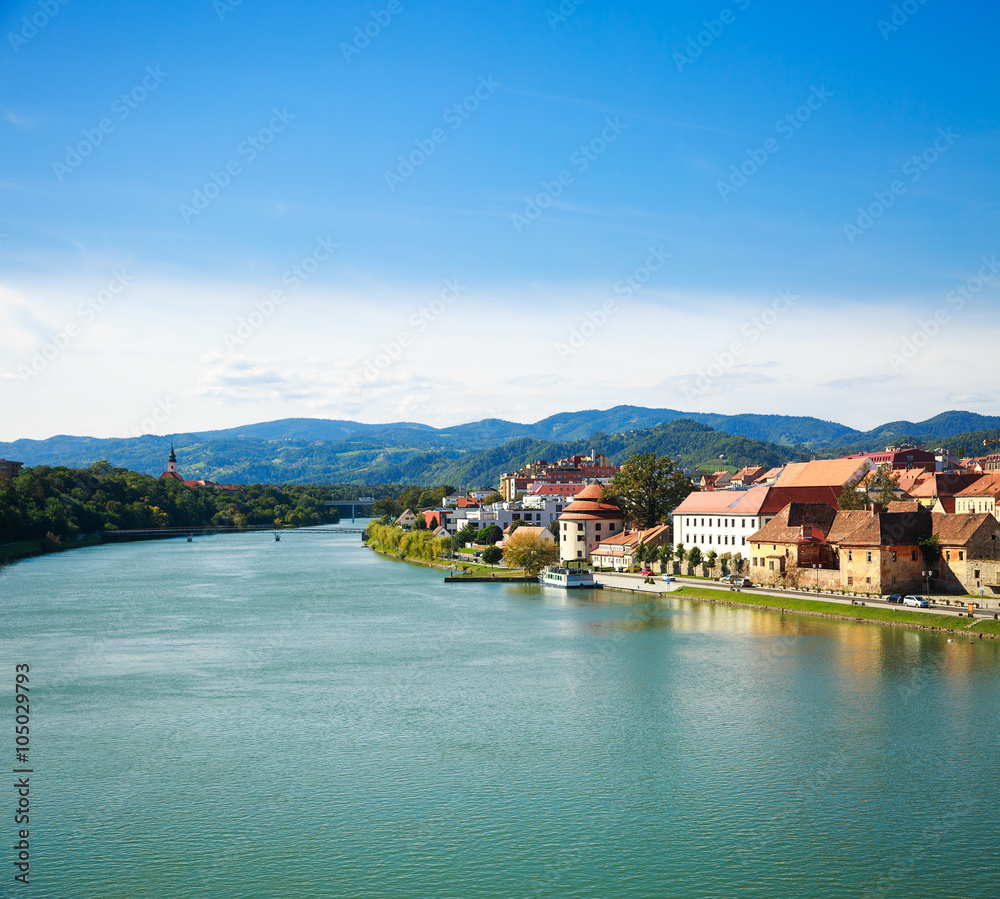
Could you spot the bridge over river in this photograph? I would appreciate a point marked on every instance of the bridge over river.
(152, 533)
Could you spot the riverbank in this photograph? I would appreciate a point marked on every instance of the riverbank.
(471, 571)
(891, 617)
(26, 549)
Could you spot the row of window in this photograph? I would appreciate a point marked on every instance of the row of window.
(718, 522)
(722, 541)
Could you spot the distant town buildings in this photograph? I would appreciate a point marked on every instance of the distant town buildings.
(574, 470)
(172, 474)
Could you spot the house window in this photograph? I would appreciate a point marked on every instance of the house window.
(744, 541)
(850, 580)
(961, 555)
(565, 526)
(579, 554)
(869, 556)
(894, 559)
(868, 580)
(947, 555)
(976, 574)
(579, 527)
(598, 527)
(850, 555)
(770, 564)
(913, 555)
(710, 539)
(703, 522)
(754, 561)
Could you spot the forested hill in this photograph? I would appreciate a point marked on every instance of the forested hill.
(688, 443)
(307, 451)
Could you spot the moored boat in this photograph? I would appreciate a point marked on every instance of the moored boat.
(566, 578)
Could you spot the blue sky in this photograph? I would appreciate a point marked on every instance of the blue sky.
(453, 217)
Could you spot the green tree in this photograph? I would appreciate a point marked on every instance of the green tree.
(883, 486)
(711, 558)
(527, 550)
(647, 488)
(853, 495)
(466, 534)
(666, 554)
(489, 534)
(492, 555)
(681, 553)
(694, 556)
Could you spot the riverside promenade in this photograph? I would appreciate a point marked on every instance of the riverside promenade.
(636, 583)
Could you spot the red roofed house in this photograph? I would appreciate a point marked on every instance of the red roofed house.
(859, 550)
(618, 552)
(982, 496)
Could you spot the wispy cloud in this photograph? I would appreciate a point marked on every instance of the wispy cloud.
(855, 383)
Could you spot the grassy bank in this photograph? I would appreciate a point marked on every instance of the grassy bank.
(25, 549)
(877, 614)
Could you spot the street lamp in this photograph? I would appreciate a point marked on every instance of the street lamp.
(816, 566)
(927, 581)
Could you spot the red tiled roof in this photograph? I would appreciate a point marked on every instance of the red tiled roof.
(987, 485)
(958, 530)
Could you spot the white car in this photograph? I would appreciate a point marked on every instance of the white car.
(917, 602)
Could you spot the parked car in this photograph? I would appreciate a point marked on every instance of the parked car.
(894, 597)
(917, 602)
(646, 571)
(667, 578)
(742, 582)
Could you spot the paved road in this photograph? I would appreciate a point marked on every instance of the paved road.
(635, 582)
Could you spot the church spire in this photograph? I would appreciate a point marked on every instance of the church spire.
(172, 460)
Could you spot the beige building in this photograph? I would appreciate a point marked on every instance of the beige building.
(983, 496)
(585, 523)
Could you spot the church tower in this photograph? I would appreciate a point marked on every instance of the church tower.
(172, 461)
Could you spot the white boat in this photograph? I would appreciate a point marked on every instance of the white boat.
(566, 578)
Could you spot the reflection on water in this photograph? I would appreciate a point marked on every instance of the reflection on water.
(238, 717)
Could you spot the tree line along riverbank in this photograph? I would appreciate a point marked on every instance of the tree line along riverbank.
(45, 509)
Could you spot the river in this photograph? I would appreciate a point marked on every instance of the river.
(237, 717)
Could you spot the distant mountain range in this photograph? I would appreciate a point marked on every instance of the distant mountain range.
(304, 450)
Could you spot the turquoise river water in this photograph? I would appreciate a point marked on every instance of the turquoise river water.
(237, 717)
